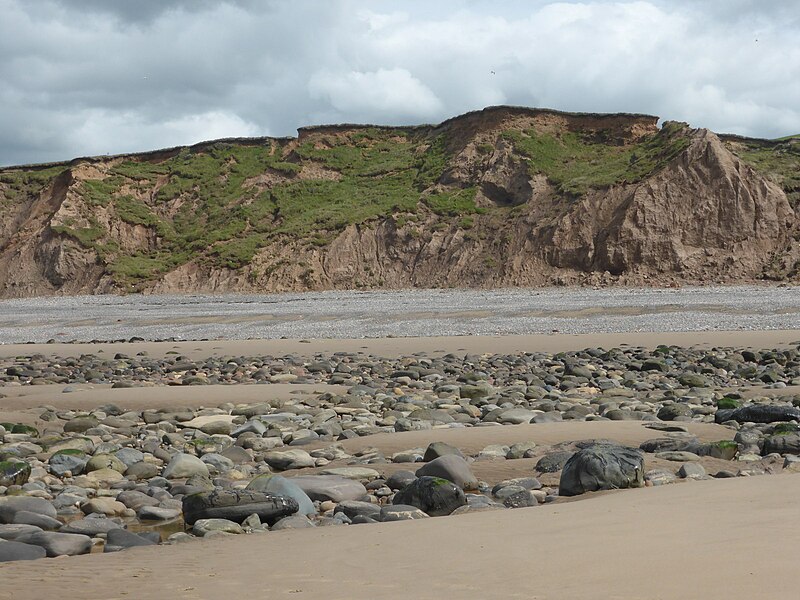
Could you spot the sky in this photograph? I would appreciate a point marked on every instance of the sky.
(94, 77)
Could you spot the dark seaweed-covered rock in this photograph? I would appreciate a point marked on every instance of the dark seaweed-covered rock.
(237, 505)
(759, 413)
(602, 467)
(432, 495)
(782, 443)
(689, 444)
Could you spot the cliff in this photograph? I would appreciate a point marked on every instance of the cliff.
(501, 197)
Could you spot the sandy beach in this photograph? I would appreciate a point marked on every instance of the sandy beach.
(726, 539)
(665, 542)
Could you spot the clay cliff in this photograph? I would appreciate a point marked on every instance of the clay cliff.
(501, 197)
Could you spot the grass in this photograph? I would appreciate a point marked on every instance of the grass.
(19, 186)
(778, 162)
(134, 212)
(577, 162)
(85, 236)
(453, 203)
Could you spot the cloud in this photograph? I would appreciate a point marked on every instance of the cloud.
(392, 92)
(95, 76)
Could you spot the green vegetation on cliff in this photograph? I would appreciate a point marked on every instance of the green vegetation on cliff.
(779, 160)
(576, 161)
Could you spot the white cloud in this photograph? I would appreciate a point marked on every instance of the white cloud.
(132, 133)
(383, 92)
(118, 76)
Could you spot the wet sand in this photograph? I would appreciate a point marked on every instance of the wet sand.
(391, 347)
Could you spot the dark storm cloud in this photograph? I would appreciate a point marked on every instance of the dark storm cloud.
(103, 76)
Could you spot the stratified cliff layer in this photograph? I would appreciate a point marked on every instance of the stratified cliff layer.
(501, 197)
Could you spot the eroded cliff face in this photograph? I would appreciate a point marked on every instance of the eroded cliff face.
(502, 199)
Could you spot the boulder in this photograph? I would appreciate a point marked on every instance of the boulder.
(158, 513)
(62, 461)
(329, 487)
(236, 505)
(10, 531)
(203, 526)
(183, 466)
(105, 461)
(57, 543)
(351, 508)
(400, 479)
(23, 517)
(784, 443)
(281, 486)
(432, 495)
(553, 461)
(11, 505)
(602, 467)
(122, 539)
(401, 512)
(759, 413)
(11, 551)
(453, 468)
(293, 522)
(103, 506)
(14, 473)
(289, 459)
(90, 526)
(438, 449)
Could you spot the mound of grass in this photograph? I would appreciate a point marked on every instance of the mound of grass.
(779, 162)
(134, 212)
(576, 162)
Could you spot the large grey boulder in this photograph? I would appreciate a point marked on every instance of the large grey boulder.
(183, 466)
(453, 468)
(14, 530)
(67, 460)
(438, 449)
(11, 505)
(90, 526)
(602, 467)
(329, 487)
(122, 539)
(58, 544)
(432, 495)
(11, 551)
(236, 505)
(289, 459)
(281, 486)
